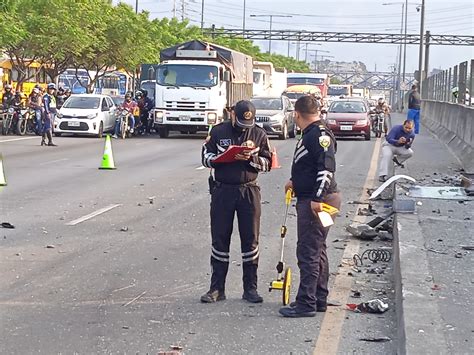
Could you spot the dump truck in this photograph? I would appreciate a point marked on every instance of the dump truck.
(196, 85)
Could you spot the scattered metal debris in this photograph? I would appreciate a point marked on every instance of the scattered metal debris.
(376, 339)
(387, 183)
(372, 306)
(439, 192)
(7, 225)
(373, 255)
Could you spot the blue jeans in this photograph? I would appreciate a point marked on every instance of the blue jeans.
(38, 120)
(131, 122)
(414, 115)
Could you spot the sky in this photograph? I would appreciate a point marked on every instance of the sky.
(376, 16)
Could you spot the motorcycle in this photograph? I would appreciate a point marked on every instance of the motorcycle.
(123, 116)
(7, 121)
(379, 124)
(26, 123)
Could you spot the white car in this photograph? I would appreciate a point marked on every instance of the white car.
(86, 114)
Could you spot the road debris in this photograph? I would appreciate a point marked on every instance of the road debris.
(362, 231)
(458, 255)
(372, 306)
(467, 247)
(124, 229)
(50, 246)
(7, 225)
(376, 339)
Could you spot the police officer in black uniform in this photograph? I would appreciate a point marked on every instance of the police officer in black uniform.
(313, 182)
(235, 189)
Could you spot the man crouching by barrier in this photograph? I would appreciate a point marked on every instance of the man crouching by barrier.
(314, 185)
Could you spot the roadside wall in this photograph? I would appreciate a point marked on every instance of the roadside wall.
(453, 124)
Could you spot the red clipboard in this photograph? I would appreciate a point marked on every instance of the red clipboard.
(229, 155)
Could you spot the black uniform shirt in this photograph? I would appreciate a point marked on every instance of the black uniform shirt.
(240, 172)
(314, 163)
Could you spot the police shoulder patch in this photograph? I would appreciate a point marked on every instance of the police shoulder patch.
(324, 141)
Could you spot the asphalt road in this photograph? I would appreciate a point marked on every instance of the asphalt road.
(98, 289)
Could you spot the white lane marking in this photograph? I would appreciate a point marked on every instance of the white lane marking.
(92, 215)
(17, 139)
(201, 168)
(54, 161)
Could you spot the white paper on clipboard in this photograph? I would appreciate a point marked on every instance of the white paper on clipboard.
(325, 218)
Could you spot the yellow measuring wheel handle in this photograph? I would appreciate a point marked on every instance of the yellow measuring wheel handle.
(286, 287)
(288, 196)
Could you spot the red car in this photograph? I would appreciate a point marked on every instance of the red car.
(349, 117)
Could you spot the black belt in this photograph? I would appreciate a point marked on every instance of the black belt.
(246, 184)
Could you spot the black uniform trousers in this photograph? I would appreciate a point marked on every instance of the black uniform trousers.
(312, 256)
(225, 202)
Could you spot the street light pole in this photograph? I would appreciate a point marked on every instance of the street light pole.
(420, 56)
(399, 97)
(202, 14)
(243, 21)
(134, 76)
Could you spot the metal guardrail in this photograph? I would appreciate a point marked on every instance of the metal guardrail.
(441, 86)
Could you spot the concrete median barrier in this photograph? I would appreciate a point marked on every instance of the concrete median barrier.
(453, 124)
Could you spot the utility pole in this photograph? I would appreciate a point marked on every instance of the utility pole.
(134, 76)
(174, 8)
(202, 14)
(398, 89)
(420, 55)
(183, 9)
(243, 20)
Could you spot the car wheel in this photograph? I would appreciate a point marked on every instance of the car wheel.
(292, 132)
(163, 132)
(284, 131)
(100, 133)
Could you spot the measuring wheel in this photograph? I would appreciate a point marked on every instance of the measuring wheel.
(286, 286)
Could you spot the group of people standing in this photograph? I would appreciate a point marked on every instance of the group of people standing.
(44, 103)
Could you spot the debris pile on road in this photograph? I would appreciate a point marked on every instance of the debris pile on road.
(372, 306)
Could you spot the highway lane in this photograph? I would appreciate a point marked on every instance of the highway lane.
(101, 289)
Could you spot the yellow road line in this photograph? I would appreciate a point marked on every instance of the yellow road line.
(331, 326)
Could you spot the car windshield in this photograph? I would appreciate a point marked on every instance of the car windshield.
(82, 102)
(347, 107)
(187, 75)
(305, 81)
(118, 100)
(294, 95)
(338, 91)
(267, 104)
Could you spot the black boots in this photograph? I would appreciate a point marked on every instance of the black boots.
(212, 296)
(50, 139)
(250, 284)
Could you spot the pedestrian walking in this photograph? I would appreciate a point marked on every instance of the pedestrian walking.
(414, 105)
(235, 190)
(396, 148)
(313, 182)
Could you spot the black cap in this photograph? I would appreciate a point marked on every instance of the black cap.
(244, 114)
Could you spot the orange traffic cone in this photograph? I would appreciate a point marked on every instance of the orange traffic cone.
(275, 163)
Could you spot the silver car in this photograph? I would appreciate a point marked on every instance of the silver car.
(275, 115)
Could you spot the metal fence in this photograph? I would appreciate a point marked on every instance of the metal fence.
(452, 85)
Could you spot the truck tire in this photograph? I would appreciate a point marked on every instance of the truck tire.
(163, 132)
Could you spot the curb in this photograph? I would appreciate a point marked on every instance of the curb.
(418, 317)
